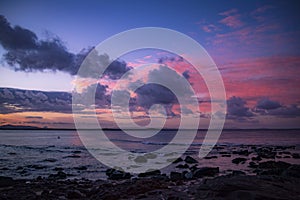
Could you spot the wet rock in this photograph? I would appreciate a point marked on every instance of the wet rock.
(238, 173)
(206, 171)
(58, 169)
(150, 173)
(296, 155)
(73, 156)
(239, 160)
(58, 175)
(190, 160)
(175, 176)
(252, 165)
(272, 168)
(258, 158)
(37, 166)
(274, 164)
(266, 153)
(6, 181)
(75, 194)
(210, 157)
(150, 156)
(292, 171)
(50, 160)
(114, 174)
(140, 159)
(178, 160)
(242, 152)
(188, 175)
(180, 166)
(81, 168)
(226, 155)
(76, 151)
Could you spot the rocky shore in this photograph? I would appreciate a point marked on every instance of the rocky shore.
(273, 180)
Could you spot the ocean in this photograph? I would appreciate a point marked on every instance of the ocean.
(32, 153)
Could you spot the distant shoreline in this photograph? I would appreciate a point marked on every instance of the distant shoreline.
(12, 127)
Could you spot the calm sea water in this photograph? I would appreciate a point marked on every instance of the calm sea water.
(32, 153)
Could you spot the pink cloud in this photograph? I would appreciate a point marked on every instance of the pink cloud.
(229, 12)
(232, 21)
(209, 28)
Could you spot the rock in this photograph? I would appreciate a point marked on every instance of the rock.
(226, 155)
(247, 188)
(238, 173)
(187, 175)
(272, 167)
(296, 155)
(58, 175)
(180, 166)
(76, 151)
(206, 171)
(114, 174)
(75, 194)
(50, 160)
(242, 152)
(258, 158)
(81, 168)
(140, 159)
(239, 160)
(274, 164)
(150, 173)
(175, 176)
(36, 166)
(150, 156)
(252, 165)
(190, 160)
(58, 169)
(177, 160)
(266, 153)
(6, 181)
(72, 156)
(292, 171)
(210, 157)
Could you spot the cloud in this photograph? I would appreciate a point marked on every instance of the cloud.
(236, 108)
(25, 52)
(166, 59)
(290, 111)
(209, 28)
(30, 100)
(17, 100)
(229, 12)
(268, 104)
(34, 117)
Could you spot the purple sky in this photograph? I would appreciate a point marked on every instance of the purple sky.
(255, 45)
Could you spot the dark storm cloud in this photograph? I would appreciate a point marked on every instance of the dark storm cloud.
(25, 52)
(290, 111)
(267, 104)
(16, 100)
(237, 109)
(150, 94)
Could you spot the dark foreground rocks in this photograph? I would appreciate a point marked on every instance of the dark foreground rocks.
(153, 185)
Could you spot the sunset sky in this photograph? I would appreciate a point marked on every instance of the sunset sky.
(255, 45)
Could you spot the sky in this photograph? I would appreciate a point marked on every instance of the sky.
(255, 45)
